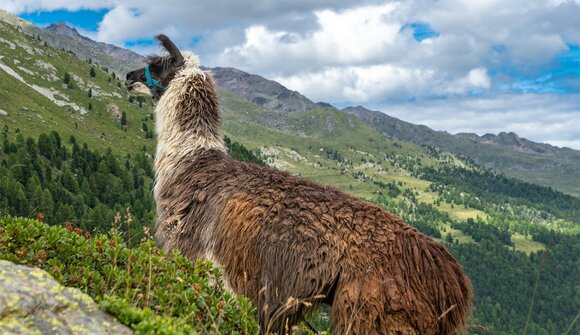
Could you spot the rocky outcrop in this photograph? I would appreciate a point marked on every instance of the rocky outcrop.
(32, 302)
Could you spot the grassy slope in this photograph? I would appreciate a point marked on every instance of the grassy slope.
(34, 113)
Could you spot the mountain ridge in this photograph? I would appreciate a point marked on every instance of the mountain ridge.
(505, 152)
(267, 93)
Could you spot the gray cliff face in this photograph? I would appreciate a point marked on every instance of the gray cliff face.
(32, 302)
(63, 29)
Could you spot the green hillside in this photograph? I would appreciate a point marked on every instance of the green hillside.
(36, 99)
(506, 152)
(517, 241)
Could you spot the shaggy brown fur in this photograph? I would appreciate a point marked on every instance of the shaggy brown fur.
(286, 242)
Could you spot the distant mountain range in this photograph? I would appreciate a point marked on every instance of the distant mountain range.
(505, 152)
(515, 156)
(508, 153)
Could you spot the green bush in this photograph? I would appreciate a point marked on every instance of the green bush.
(143, 287)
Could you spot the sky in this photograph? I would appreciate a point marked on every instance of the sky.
(477, 66)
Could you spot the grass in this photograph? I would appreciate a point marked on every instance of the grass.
(526, 244)
(457, 234)
(459, 212)
(34, 113)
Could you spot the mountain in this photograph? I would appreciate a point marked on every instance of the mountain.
(46, 88)
(77, 148)
(261, 91)
(505, 152)
(60, 35)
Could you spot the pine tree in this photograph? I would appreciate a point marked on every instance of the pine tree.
(66, 78)
(90, 93)
(93, 73)
(124, 119)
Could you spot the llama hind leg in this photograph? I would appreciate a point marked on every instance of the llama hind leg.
(361, 306)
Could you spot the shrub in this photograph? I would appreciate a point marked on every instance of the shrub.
(143, 287)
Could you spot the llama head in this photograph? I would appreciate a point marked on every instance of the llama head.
(160, 70)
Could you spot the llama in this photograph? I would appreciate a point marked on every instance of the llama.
(284, 242)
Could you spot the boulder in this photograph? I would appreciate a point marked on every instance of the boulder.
(32, 302)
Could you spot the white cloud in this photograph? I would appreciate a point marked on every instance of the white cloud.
(24, 6)
(350, 37)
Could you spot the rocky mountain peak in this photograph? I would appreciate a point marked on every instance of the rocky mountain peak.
(63, 29)
(261, 91)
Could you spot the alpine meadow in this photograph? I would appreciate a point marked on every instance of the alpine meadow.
(77, 176)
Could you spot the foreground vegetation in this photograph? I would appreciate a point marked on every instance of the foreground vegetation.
(144, 288)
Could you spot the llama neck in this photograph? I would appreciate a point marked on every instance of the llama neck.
(187, 120)
(187, 115)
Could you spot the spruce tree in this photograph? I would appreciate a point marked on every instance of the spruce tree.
(124, 119)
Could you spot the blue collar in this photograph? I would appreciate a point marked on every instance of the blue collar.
(151, 83)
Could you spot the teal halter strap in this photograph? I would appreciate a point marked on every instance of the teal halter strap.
(152, 82)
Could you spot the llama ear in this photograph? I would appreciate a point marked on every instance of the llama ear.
(171, 48)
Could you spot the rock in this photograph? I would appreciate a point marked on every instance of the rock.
(32, 302)
(3, 112)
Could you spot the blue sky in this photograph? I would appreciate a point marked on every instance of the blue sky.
(87, 20)
(513, 66)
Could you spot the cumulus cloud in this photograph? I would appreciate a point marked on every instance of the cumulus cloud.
(473, 37)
